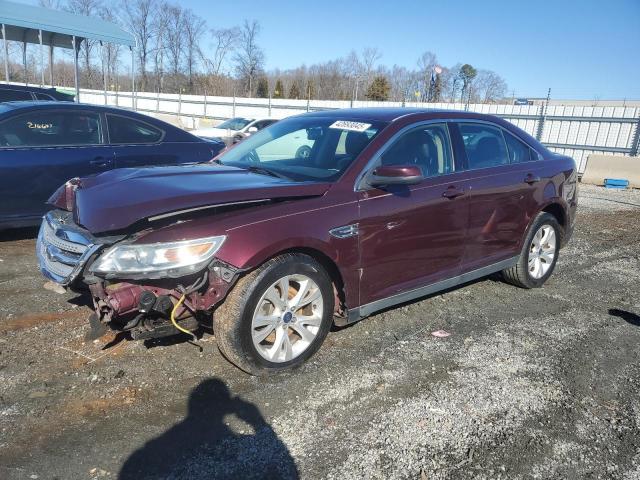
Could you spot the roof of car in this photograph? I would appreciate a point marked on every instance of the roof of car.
(389, 114)
(56, 105)
(29, 88)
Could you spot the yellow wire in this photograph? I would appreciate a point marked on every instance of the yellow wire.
(173, 318)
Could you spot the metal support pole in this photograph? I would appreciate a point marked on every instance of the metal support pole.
(24, 60)
(635, 144)
(51, 61)
(233, 112)
(133, 79)
(541, 119)
(269, 105)
(41, 58)
(104, 73)
(74, 44)
(205, 104)
(6, 53)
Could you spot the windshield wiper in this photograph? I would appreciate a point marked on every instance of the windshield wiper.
(265, 171)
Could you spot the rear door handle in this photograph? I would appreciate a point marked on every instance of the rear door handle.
(531, 179)
(452, 192)
(100, 162)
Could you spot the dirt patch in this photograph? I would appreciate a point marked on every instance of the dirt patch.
(38, 319)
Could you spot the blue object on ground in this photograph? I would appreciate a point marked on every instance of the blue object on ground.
(616, 183)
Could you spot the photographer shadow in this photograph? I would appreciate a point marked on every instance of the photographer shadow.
(203, 446)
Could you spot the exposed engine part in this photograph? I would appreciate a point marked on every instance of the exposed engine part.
(146, 301)
(157, 328)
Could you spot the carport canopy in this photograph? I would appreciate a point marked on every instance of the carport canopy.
(55, 28)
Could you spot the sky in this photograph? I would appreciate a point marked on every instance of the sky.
(580, 49)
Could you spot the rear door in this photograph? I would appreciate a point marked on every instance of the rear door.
(41, 150)
(411, 236)
(505, 188)
(138, 144)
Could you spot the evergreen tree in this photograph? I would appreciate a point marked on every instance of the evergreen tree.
(263, 88)
(278, 92)
(437, 89)
(379, 89)
(294, 91)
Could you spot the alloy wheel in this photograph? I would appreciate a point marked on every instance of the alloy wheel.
(287, 318)
(542, 251)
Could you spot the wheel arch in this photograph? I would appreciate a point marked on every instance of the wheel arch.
(325, 260)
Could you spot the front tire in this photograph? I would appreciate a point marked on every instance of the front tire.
(539, 253)
(277, 316)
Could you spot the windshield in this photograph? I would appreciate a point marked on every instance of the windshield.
(304, 148)
(235, 123)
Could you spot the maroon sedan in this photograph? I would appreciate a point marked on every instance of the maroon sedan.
(270, 248)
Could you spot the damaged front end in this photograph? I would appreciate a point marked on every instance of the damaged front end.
(149, 290)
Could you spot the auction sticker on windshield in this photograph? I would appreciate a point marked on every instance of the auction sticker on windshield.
(352, 126)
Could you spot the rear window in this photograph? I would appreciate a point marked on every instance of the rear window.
(484, 145)
(43, 129)
(124, 130)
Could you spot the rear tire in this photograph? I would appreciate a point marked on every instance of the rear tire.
(263, 329)
(539, 253)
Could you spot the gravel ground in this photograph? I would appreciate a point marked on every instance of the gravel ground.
(530, 384)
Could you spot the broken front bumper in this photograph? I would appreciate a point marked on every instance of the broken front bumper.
(63, 248)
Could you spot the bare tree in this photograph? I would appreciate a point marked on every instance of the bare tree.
(488, 87)
(194, 28)
(250, 57)
(426, 63)
(138, 15)
(52, 4)
(88, 8)
(160, 27)
(369, 58)
(110, 52)
(175, 39)
(225, 41)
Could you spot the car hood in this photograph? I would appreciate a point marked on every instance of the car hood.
(117, 199)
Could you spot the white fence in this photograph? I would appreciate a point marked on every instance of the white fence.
(570, 129)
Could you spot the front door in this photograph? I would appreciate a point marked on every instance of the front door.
(41, 150)
(411, 236)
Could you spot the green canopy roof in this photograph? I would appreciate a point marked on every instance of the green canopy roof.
(22, 23)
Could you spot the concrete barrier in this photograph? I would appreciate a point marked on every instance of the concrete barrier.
(600, 167)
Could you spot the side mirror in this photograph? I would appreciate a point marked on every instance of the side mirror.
(252, 129)
(395, 175)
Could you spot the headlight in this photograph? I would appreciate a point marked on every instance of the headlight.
(171, 259)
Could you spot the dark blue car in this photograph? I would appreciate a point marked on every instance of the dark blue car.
(43, 144)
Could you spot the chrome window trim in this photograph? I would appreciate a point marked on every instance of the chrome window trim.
(490, 123)
(372, 163)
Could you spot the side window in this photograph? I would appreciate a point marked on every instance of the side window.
(14, 95)
(45, 129)
(262, 124)
(43, 96)
(518, 151)
(484, 145)
(127, 130)
(297, 144)
(427, 147)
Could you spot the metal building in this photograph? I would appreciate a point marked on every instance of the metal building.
(54, 28)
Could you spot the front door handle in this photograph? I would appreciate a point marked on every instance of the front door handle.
(531, 179)
(452, 192)
(101, 162)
